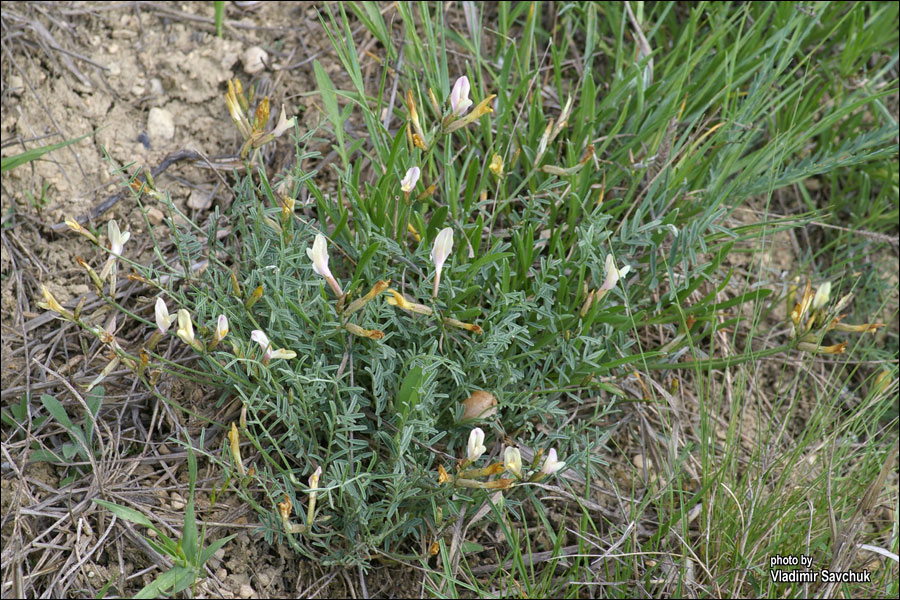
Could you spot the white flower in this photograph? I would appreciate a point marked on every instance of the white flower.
(268, 354)
(284, 123)
(163, 318)
(551, 464)
(459, 96)
(221, 328)
(318, 254)
(408, 183)
(443, 245)
(476, 444)
(263, 340)
(613, 274)
(186, 330)
(823, 295)
(117, 239)
(512, 461)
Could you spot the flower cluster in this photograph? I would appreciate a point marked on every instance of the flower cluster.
(440, 252)
(812, 318)
(512, 463)
(454, 118)
(253, 130)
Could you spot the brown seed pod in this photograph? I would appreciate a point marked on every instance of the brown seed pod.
(480, 405)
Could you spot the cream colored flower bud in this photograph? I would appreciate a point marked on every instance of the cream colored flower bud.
(117, 239)
(823, 295)
(512, 461)
(186, 330)
(221, 328)
(408, 183)
(318, 254)
(163, 318)
(476, 444)
(443, 245)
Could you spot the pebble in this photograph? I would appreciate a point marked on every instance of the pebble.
(160, 124)
(200, 200)
(254, 60)
(247, 592)
(16, 85)
(177, 501)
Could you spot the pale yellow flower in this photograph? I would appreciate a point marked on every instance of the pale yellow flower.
(443, 245)
(512, 461)
(476, 444)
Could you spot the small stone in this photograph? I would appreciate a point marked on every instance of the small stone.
(200, 200)
(264, 578)
(177, 502)
(160, 124)
(247, 592)
(16, 85)
(156, 87)
(640, 462)
(254, 60)
(154, 215)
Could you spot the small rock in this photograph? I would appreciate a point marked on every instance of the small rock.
(160, 124)
(254, 60)
(247, 592)
(177, 502)
(16, 85)
(156, 87)
(154, 215)
(228, 59)
(200, 200)
(264, 578)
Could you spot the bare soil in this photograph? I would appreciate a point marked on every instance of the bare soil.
(146, 79)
